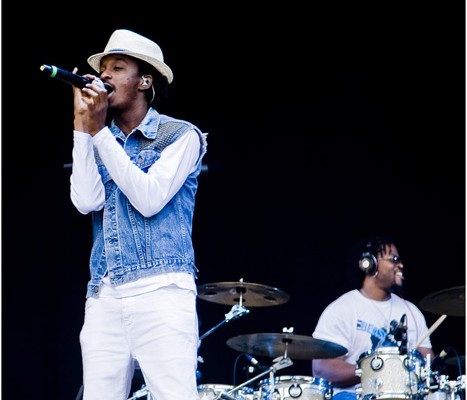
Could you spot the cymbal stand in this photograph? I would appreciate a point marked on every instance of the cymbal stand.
(279, 363)
(287, 341)
(144, 391)
(236, 312)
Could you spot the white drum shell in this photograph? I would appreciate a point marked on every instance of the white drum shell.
(294, 387)
(387, 375)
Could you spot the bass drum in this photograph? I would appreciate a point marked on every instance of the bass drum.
(387, 375)
(294, 387)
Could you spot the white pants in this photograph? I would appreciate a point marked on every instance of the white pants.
(159, 329)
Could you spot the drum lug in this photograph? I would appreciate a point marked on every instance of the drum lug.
(376, 363)
(295, 391)
(378, 383)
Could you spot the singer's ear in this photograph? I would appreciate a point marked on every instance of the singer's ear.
(147, 80)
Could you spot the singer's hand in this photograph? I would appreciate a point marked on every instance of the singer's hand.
(90, 106)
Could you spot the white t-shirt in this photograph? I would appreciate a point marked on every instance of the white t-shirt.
(352, 319)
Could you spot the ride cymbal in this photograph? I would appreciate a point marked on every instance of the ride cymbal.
(448, 301)
(243, 293)
(297, 347)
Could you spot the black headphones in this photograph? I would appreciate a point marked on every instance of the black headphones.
(368, 263)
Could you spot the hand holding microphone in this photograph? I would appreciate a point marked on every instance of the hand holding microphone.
(69, 77)
(95, 122)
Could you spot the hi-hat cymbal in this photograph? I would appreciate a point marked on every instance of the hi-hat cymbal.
(448, 301)
(297, 347)
(243, 293)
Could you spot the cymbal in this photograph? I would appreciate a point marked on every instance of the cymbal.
(243, 293)
(297, 347)
(448, 301)
(455, 361)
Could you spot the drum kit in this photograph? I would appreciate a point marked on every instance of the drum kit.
(281, 347)
(386, 373)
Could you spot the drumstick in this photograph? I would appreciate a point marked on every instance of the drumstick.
(432, 329)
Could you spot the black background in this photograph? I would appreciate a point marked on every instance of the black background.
(325, 122)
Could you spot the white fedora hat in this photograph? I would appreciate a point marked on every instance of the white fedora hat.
(131, 44)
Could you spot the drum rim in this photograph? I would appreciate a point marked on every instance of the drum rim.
(295, 379)
(212, 385)
(391, 350)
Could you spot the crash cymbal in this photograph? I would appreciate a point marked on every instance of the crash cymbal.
(243, 293)
(448, 301)
(297, 347)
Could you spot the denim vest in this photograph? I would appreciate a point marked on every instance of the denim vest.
(128, 246)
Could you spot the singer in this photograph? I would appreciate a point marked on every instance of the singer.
(136, 170)
(362, 317)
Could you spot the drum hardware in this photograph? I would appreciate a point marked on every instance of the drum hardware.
(376, 363)
(461, 382)
(451, 386)
(446, 389)
(144, 391)
(295, 390)
(237, 311)
(213, 391)
(279, 363)
(426, 373)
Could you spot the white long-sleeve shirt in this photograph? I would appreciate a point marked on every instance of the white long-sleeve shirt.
(147, 192)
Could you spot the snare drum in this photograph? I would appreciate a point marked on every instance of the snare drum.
(295, 387)
(386, 374)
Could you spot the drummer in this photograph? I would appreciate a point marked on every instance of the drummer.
(369, 317)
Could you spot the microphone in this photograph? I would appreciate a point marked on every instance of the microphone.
(255, 362)
(69, 77)
(402, 335)
(403, 320)
(439, 358)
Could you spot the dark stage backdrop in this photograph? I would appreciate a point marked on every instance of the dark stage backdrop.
(325, 123)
